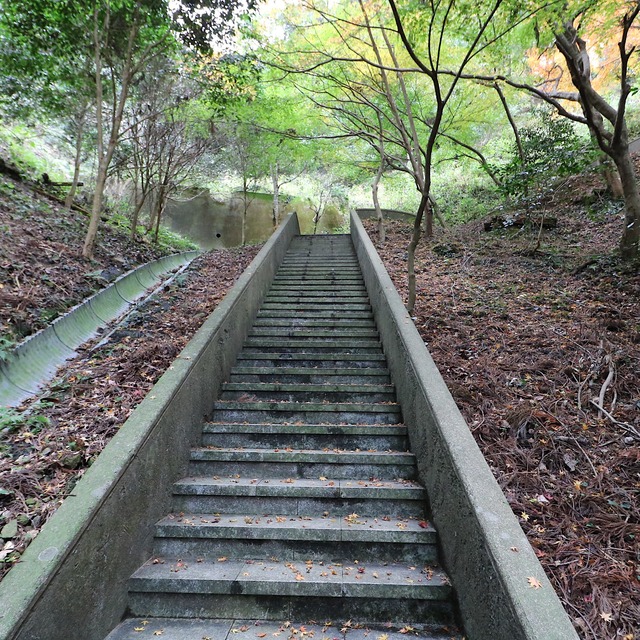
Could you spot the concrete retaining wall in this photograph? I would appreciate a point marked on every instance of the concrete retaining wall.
(71, 582)
(35, 361)
(484, 549)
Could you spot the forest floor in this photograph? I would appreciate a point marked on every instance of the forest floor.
(529, 343)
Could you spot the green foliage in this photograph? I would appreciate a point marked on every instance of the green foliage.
(551, 149)
(12, 420)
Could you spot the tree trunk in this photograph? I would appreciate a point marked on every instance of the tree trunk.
(428, 227)
(631, 233)
(76, 163)
(411, 254)
(245, 206)
(612, 178)
(96, 210)
(275, 170)
(376, 203)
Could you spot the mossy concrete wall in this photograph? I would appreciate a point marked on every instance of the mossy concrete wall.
(36, 360)
(71, 582)
(483, 548)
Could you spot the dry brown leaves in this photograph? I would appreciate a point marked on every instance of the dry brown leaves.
(527, 345)
(95, 393)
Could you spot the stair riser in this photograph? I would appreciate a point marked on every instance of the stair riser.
(316, 315)
(301, 470)
(305, 417)
(290, 608)
(309, 378)
(338, 507)
(316, 310)
(282, 361)
(314, 332)
(298, 322)
(318, 301)
(299, 347)
(295, 441)
(192, 549)
(309, 396)
(294, 286)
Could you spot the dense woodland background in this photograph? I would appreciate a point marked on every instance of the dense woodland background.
(513, 116)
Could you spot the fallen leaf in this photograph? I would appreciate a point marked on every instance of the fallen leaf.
(607, 617)
(534, 583)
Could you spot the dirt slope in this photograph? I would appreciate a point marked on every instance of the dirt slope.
(527, 343)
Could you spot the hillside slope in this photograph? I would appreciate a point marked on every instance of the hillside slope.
(527, 341)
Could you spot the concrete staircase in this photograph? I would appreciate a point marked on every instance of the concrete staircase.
(300, 515)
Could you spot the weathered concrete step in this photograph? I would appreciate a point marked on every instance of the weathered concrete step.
(306, 376)
(314, 332)
(283, 392)
(306, 436)
(320, 273)
(346, 280)
(312, 345)
(317, 309)
(306, 412)
(336, 322)
(328, 538)
(396, 589)
(321, 283)
(318, 291)
(321, 259)
(319, 267)
(301, 496)
(281, 360)
(292, 463)
(315, 314)
(198, 629)
(322, 300)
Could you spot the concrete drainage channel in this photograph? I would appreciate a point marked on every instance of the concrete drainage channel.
(84, 572)
(35, 361)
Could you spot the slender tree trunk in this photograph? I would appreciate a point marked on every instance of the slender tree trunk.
(629, 243)
(611, 177)
(428, 227)
(376, 202)
(77, 161)
(411, 253)
(275, 181)
(96, 209)
(161, 204)
(245, 206)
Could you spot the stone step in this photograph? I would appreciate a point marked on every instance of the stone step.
(314, 332)
(321, 300)
(306, 412)
(319, 284)
(386, 592)
(284, 392)
(296, 463)
(286, 629)
(321, 259)
(306, 436)
(300, 375)
(280, 360)
(328, 290)
(291, 496)
(335, 322)
(335, 539)
(327, 267)
(323, 314)
(316, 308)
(314, 345)
(319, 281)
